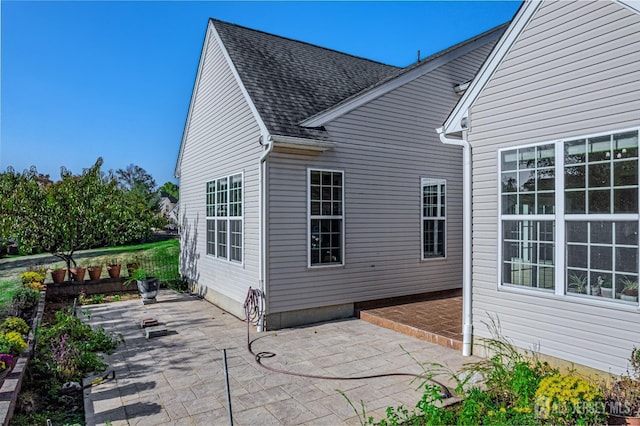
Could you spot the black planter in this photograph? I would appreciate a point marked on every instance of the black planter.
(148, 289)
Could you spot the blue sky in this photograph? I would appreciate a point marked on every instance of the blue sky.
(113, 79)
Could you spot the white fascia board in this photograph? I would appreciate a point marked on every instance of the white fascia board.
(330, 114)
(234, 71)
(212, 32)
(633, 5)
(453, 123)
(291, 142)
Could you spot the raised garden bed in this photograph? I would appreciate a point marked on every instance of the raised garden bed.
(10, 385)
(103, 286)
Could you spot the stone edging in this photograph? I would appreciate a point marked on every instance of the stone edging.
(11, 386)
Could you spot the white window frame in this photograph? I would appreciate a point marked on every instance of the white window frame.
(442, 186)
(560, 219)
(311, 217)
(210, 218)
(226, 218)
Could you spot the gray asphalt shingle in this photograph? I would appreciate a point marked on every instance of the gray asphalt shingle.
(289, 80)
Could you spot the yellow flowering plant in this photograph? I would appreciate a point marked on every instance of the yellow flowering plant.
(12, 342)
(569, 400)
(34, 286)
(14, 324)
(32, 277)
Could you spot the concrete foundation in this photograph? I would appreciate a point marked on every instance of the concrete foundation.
(220, 300)
(279, 320)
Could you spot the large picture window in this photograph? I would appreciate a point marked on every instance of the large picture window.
(593, 205)
(433, 218)
(326, 221)
(225, 218)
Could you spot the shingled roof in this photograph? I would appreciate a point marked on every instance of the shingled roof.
(289, 80)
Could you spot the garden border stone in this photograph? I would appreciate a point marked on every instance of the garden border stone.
(12, 383)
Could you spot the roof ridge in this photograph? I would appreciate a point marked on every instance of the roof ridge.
(402, 71)
(458, 45)
(304, 42)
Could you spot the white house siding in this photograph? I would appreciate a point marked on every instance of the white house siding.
(575, 70)
(384, 148)
(222, 139)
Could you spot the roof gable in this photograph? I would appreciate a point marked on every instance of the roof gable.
(289, 80)
(456, 121)
(212, 36)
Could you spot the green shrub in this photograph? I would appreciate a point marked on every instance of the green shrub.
(14, 324)
(507, 395)
(25, 298)
(5, 345)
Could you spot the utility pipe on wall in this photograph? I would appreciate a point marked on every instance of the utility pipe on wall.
(265, 140)
(467, 319)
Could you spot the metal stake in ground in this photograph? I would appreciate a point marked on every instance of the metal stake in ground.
(226, 379)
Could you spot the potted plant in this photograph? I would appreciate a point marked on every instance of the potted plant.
(577, 283)
(147, 285)
(622, 396)
(132, 265)
(94, 272)
(77, 273)
(57, 274)
(630, 290)
(606, 287)
(113, 268)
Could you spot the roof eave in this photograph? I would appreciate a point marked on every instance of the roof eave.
(290, 142)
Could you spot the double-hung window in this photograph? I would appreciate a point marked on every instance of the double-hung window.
(225, 218)
(528, 216)
(433, 218)
(326, 220)
(584, 191)
(211, 218)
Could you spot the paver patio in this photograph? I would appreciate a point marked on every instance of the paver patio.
(179, 379)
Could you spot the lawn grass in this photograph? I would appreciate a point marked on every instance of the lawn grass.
(145, 246)
(7, 290)
(158, 258)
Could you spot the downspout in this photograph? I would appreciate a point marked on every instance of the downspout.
(467, 324)
(265, 140)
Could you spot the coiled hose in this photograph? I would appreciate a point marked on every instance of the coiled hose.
(253, 308)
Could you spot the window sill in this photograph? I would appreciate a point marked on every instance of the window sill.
(223, 260)
(324, 267)
(570, 298)
(431, 259)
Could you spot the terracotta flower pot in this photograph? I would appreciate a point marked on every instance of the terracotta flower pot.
(58, 275)
(132, 268)
(114, 271)
(77, 274)
(95, 272)
(623, 420)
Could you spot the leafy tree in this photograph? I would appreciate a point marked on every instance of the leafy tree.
(171, 189)
(140, 185)
(135, 176)
(76, 212)
(23, 206)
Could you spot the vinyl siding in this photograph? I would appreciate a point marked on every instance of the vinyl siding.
(222, 139)
(574, 70)
(384, 148)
